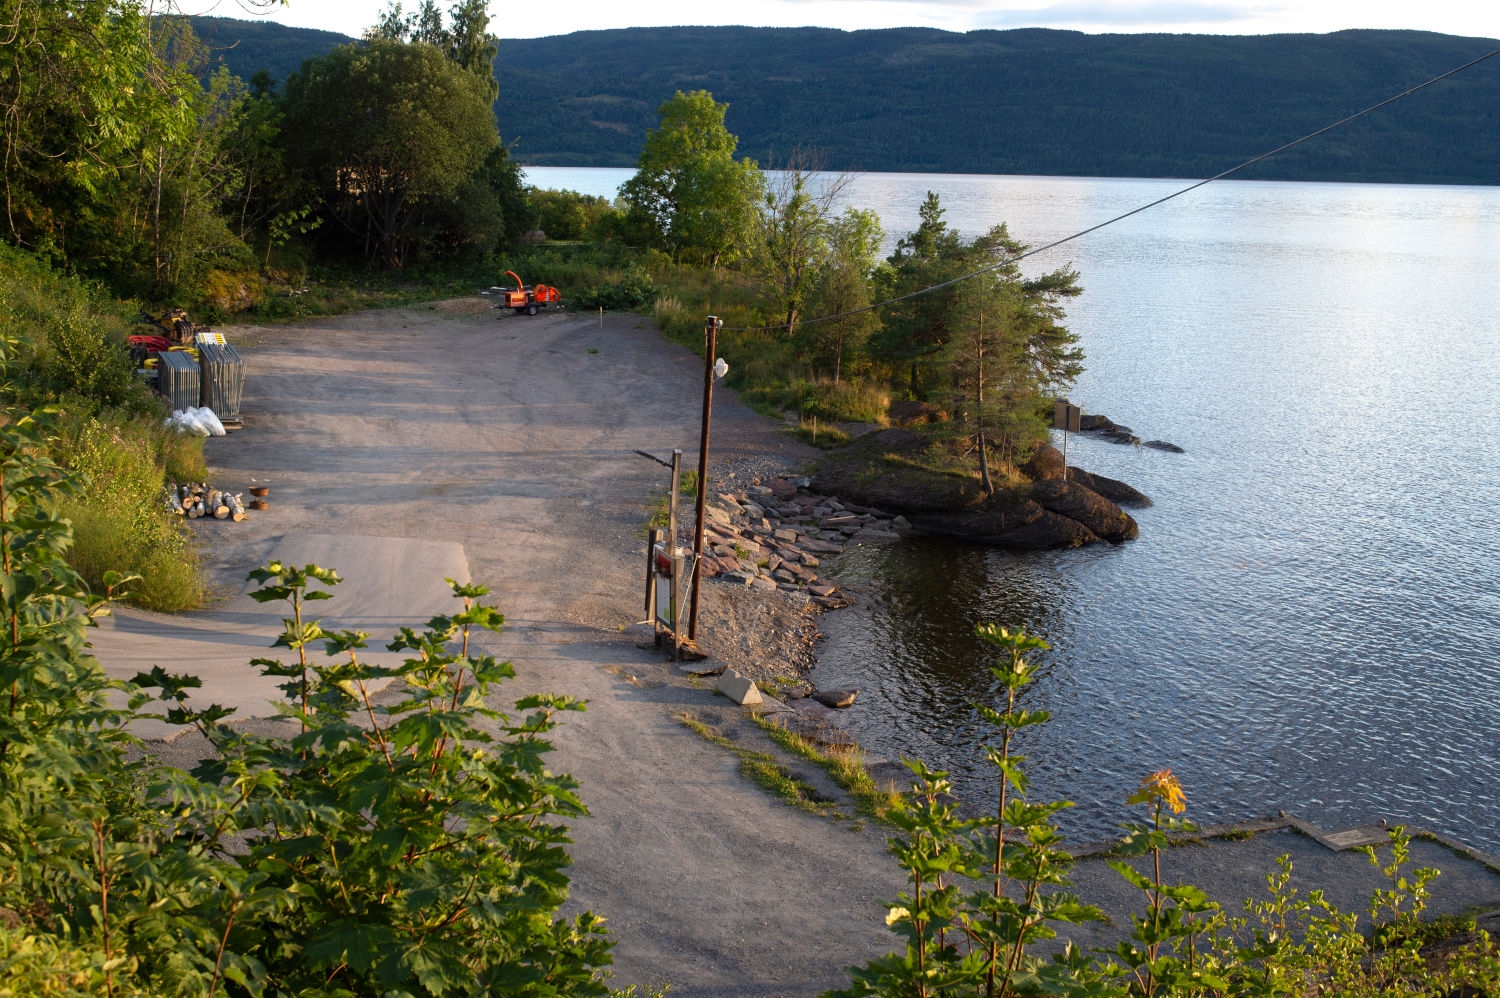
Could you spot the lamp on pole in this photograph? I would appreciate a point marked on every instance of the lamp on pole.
(713, 368)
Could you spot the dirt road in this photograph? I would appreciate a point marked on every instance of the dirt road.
(407, 444)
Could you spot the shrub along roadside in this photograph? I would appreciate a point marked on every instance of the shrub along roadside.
(62, 344)
(118, 521)
(419, 852)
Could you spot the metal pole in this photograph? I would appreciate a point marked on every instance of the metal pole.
(711, 332)
(672, 521)
(673, 548)
(651, 539)
(1065, 452)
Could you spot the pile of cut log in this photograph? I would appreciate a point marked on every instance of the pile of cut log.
(200, 499)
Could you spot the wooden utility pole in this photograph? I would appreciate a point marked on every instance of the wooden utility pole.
(711, 336)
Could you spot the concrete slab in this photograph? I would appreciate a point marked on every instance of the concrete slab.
(1234, 869)
(389, 582)
(741, 689)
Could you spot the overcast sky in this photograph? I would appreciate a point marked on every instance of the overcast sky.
(1251, 17)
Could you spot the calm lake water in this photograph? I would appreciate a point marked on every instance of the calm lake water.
(1309, 621)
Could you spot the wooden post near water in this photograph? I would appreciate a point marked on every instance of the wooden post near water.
(1066, 417)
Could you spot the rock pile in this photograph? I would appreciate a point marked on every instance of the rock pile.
(777, 536)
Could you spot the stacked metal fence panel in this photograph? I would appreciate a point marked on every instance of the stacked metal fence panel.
(223, 379)
(178, 378)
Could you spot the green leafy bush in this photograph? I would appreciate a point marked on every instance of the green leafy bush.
(68, 338)
(42, 966)
(411, 846)
(635, 289)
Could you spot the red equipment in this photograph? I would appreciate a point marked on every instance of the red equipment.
(530, 299)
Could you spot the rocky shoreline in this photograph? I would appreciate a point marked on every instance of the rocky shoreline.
(1060, 507)
(770, 541)
(768, 545)
(776, 536)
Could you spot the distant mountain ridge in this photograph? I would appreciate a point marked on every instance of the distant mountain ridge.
(1026, 101)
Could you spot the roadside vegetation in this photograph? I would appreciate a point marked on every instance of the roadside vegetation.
(844, 765)
(62, 347)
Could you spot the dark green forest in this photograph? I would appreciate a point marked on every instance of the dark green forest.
(1027, 101)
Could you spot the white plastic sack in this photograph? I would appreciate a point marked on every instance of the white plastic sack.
(188, 421)
(208, 418)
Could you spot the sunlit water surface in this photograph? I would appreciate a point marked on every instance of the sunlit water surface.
(1310, 619)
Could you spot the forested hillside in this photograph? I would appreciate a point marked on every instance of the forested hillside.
(248, 46)
(1025, 101)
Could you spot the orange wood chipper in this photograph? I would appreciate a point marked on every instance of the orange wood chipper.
(528, 298)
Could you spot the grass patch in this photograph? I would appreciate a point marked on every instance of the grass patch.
(845, 768)
(120, 519)
(1236, 835)
(763, 769)
(687, 487)
(820, 435)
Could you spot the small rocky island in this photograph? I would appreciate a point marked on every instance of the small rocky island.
(1061, 507)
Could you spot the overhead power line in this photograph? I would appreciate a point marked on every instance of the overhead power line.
(1121, 217)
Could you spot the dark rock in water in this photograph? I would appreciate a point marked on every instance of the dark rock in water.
(835, 698)
(1122, 436)
(1102, 517)
(1090, 423)
(996, 515)
(1163, 445)
(1112, 489)
(1045, 463)
(1050, 530)
(874, 473)
(1008, 522)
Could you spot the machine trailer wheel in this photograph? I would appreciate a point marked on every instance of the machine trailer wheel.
(531, 310)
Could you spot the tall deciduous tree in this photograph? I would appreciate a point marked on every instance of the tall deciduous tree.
(110, 156)
(389, 134)
(843, 291)
(689, 193)
(467, 42)
(793, 243)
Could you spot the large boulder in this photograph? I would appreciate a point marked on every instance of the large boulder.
(882, 470)
(998, 515)
(1112, 489)
(1070, 499)
(1045, 464)
(1050, 530)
